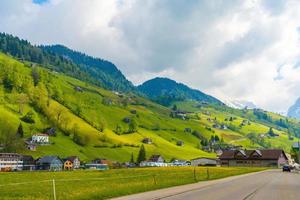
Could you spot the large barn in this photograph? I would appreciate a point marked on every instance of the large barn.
(254, 158)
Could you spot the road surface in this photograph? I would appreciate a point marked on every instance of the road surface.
(266, 185)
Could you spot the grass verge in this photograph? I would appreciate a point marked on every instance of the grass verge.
(102, 185)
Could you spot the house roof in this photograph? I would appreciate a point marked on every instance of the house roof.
(154, 158)
(70, 158)
(264, 154)
(40, 134)
(203, 158)
(47, 159)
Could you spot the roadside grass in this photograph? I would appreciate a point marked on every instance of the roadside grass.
(106, 184)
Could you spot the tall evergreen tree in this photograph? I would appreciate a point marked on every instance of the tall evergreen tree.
(142, 154)
(20, 132)
(174, 107)
(132, 158)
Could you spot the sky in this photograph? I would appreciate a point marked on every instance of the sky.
(231, 49)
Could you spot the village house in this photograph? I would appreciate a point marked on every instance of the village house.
(102, 161)
(50, 163)
(154, 161)
(147, 141)
(203, 161)
(157, 158)
(95, 166)
(68, 165)
(30, 146)
(180, 163)
(188, 130)
(71, 163)
(254, 158)
(28, 162)
(40, 139)
(11, 162)
(180, 143)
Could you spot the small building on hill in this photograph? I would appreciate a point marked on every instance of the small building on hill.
(180, 143)
(30, 146)
(147, 141)
(254, 158)
(40, 138)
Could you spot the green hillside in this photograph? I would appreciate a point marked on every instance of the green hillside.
(93, 122)
(61, 59)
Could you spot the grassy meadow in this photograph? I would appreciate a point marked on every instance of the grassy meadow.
(105, 184)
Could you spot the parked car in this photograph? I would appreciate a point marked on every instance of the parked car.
(286, 168)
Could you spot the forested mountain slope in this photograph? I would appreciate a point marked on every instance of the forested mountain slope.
(165, 91)
(64, 60)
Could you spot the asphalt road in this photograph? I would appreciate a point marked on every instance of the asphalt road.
(267, 185)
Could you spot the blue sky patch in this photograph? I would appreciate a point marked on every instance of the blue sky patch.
(39, 1)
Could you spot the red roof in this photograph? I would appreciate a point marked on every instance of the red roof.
(41, 134)
(264, 154)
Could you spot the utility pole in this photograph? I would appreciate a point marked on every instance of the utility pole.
(54, 191)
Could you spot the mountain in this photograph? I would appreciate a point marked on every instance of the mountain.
(100, 69)
(165, 91)
(93, 122)
(241, 104)
(61, 59)
(294, 110)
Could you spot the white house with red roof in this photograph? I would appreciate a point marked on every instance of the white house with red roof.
(40, 138)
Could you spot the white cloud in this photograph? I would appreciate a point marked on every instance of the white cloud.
(233, 49)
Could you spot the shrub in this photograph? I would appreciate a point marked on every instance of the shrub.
(81, 140)
(28, 118)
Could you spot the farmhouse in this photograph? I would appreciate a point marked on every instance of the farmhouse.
(154, 161)
(11, 162)
(30, 146)
(203, 161)
(180, 143)
(40, 138)
(71, 163)
(50, 163)
(255, 158)
(156, 158)
(147, 141)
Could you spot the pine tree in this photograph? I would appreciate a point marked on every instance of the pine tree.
(132, 158)
(174, 107)
(20, 132)
(142, 154)
(271, 132)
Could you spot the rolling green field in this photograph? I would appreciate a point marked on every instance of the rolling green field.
(106, 184)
